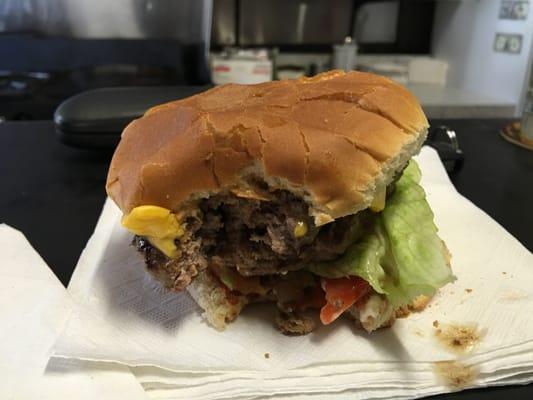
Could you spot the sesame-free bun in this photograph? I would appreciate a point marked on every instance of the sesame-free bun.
(334, 140)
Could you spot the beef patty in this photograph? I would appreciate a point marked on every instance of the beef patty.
(260, 237)
(256, 237)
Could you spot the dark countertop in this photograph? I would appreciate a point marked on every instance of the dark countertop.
(50, 192)
(54, 194)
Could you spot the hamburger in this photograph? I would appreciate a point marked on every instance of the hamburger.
(299, 192)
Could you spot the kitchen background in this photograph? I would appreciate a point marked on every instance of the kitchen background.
(463, 59)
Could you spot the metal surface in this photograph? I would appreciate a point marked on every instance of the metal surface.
(294, 22)
(376, 22)
(451, 136)
(444, 140)
(223, 31)
(188, 21)
(378, 26)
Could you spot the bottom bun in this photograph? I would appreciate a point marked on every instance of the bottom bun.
(221, 307)
(219, 304)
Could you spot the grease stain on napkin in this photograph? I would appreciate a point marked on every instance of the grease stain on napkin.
(455, 374)
(457, 338)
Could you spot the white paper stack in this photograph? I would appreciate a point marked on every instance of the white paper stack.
(34, 307)
(123, 316)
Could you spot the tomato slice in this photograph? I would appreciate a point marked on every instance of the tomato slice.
(312, 298)
(341, 294)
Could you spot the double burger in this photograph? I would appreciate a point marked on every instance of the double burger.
(301, 193)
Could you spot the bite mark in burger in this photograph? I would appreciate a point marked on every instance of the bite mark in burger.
(300, 192)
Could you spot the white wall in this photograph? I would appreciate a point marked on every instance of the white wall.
(464, 34)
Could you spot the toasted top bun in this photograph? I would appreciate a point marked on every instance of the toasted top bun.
(333, 140)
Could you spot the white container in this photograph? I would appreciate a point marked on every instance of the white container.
(428, 70)
(244, 71)
(345, 55)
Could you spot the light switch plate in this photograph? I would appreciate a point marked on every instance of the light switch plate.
(508, 43)
(514, 9)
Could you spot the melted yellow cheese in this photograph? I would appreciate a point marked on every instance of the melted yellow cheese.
(159, 225)
(167, 246)
(300, 229)
(378, 204)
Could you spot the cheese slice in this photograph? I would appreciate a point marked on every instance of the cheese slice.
(159, 225)
(167, 246)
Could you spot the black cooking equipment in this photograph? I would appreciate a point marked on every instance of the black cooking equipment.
(444, 140)
(95, 118)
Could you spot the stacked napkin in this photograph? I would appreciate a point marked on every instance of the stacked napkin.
(34, 306)
(122, 316)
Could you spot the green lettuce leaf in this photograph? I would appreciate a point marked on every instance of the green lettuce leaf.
(402, 256)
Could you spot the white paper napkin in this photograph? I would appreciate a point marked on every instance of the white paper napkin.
(34, 306)
(125, 317)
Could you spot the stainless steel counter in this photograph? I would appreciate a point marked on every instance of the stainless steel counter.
(448, 102)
